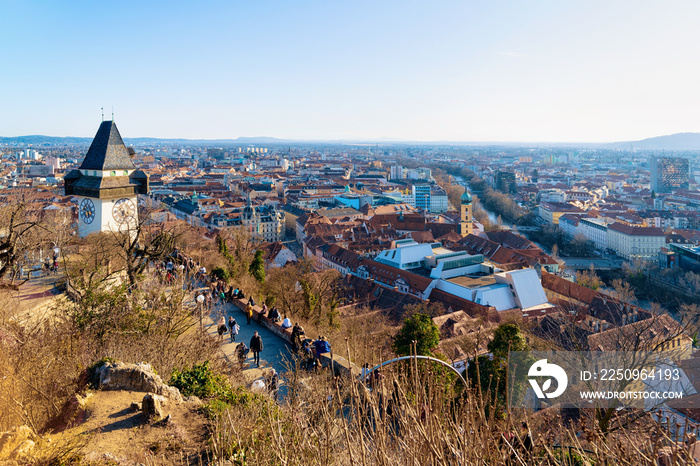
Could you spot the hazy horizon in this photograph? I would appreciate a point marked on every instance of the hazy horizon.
(350, 141)
(501, 72)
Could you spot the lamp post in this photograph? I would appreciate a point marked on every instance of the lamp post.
(200, 306)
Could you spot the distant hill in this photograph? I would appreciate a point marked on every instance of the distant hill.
(38, 139)
(54, 140)
(673, 142)
(678, 141)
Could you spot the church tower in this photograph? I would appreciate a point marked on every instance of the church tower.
(467, 221)
(107, 184)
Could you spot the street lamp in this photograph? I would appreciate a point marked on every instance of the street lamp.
(200, 305)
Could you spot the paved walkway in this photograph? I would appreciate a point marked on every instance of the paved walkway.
(33, 301)
(276, 351)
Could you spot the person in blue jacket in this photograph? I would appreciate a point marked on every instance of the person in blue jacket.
(321, 346)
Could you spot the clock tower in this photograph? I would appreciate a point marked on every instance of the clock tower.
(107, 184)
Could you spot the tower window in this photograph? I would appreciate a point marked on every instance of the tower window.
(113, 173)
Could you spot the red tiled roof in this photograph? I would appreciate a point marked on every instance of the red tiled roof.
(566, 288)
(509, 239)
(645, 334)
(422, 236)
(388, 275)
(409, 222)
(457, 303)
(636, 231)
(341, 256)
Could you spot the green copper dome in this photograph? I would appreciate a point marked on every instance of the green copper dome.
(466, 198)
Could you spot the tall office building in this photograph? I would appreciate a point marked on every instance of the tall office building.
(505, 181)
(669, 173)
(421, 193)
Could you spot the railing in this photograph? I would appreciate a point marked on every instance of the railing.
(404, 358)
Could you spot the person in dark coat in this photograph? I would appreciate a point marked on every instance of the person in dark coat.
(256, 346)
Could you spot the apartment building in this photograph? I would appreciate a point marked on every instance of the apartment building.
(636, 242)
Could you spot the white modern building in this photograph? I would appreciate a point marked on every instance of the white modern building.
(402, 197)
(466, 276)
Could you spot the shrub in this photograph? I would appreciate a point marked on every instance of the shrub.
(202, 382)
(238, 397)
(421, 329)
(220, 274)
(257, 267)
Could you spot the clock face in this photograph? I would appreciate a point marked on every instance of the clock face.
(123, 210)
(87, 211)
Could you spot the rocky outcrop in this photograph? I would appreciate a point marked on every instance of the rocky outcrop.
(194, 401)
(135, 377)
(152, 406)
(17, 444)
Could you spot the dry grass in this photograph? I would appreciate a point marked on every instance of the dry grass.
(412, 419)
(43, 365)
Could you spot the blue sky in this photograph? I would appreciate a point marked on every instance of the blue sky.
(413, 70)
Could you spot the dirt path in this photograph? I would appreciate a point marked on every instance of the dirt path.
(36, 299)
(109, 432)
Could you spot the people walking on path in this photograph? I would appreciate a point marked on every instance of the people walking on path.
(221, 327)
(233, 328)
(242, 352)
(256, 346)
(249, 312)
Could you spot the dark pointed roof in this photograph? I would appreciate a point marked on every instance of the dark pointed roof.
(107, 151)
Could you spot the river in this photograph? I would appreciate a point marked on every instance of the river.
(493, 217)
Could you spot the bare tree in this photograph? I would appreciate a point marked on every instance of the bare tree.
(24, 229)
(282, 287)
